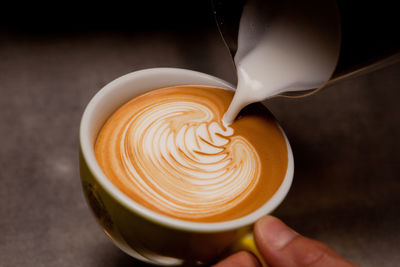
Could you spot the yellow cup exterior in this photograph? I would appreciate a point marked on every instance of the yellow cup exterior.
(148, 240)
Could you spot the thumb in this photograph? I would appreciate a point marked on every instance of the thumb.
(282, 246)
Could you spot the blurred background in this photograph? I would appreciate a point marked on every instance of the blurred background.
(55, 56)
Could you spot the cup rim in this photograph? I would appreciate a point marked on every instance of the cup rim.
(87, 151)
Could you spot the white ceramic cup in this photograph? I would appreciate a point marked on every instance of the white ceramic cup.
(140, 232)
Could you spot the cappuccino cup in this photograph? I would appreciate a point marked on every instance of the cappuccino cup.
(144, 233)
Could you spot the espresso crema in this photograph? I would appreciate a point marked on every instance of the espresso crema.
(169, 151)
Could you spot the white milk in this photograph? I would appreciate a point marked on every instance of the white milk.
(284, 46)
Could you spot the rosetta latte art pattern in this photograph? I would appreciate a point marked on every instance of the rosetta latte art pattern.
(169, 151)
(183, 162)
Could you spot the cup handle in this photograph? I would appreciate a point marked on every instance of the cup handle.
(247, 243)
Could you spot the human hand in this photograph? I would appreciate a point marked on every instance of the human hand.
(280, 246)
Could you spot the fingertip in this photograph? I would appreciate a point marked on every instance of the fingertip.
(272, 233)
(282, 246)
(240, 259)
(262, 225)
(264, 221)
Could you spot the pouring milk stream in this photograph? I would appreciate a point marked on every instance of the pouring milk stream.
(283, 46)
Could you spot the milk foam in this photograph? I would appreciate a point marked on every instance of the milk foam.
(178, 157)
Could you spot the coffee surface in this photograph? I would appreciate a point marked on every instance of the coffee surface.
(169, 151)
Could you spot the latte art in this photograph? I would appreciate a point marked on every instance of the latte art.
(184, 162)
(169, 151)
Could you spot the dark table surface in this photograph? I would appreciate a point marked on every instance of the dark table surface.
(345, 139)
